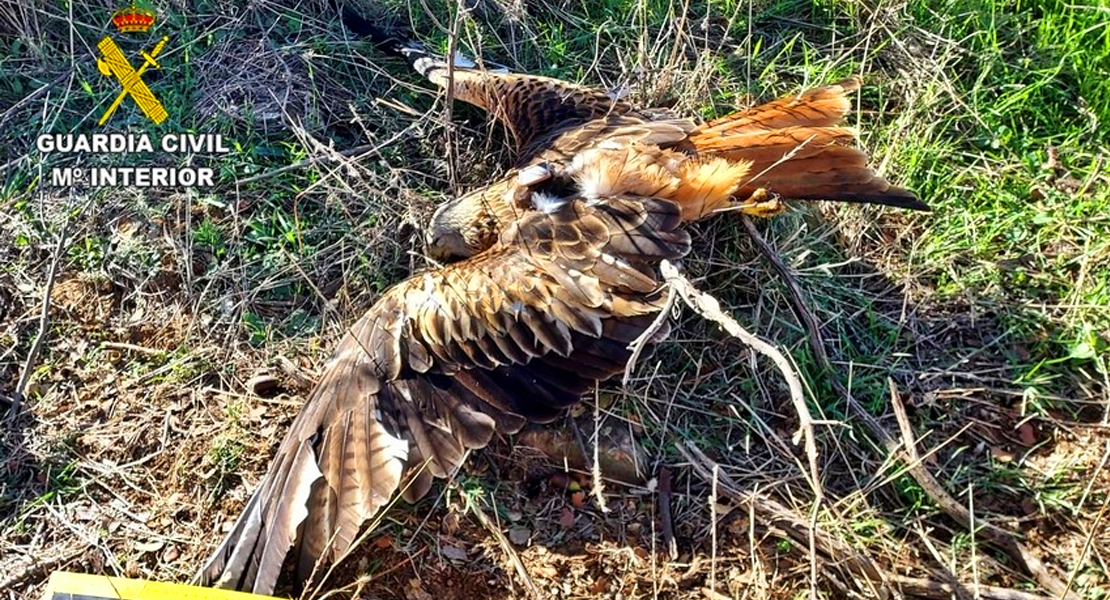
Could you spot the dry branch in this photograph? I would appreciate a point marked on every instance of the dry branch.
(994, 535)
(506, 547)
(783, 518)
(708, 307)
(665, 516)
(837, 552)
(44, 323)
(923, 588)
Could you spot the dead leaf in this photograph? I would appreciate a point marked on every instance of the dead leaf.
(1027, 433)
(566, 518)
(450, 523)
(454, 553)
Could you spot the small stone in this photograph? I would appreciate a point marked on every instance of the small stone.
(454, 553)
(520, 535)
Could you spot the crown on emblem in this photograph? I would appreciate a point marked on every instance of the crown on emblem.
(133, 18)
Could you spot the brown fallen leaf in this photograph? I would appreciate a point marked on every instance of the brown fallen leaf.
(1027, 433)
(566, 518)
(454, 553)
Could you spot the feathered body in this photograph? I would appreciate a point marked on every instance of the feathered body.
(512, 335)
(559, 275)
(792, 148)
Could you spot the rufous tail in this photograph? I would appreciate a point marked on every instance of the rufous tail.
(797, 151)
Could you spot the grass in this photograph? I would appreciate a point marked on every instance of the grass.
(990, 314)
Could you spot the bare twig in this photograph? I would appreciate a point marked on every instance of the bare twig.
(46, 565)
(7, 114)
(126, 347)
(992, 534)
(924, 588)
(352, 153)
(945, 572)
(708, 307)
(1087, 543)
(714, 479)
(665, 513)
(637, 346)
(782, 517)
(797, 298)
(448, 106)
(506, 547)
(836, 551)
(44, 324)
(595, 472)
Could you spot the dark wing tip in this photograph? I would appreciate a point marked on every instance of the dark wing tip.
(903, 198)
(386, 41)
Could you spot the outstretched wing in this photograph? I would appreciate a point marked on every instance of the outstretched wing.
(612, 131)
(528, 106)
(444, 360)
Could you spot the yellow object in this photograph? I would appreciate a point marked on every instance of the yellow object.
(115, 63)
(75, 586)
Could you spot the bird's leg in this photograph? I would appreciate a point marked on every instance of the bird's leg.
(760, 204)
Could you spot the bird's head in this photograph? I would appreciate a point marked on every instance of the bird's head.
(459, 229)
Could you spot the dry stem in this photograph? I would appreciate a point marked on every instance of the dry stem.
(44, 324)
(708, 307)
(507, 547)
(994, 535)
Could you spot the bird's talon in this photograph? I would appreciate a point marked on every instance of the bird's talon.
(761, 204)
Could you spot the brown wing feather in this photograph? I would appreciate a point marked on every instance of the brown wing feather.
(440, 363)
(791, 147)
(528, 106)
(562, 145)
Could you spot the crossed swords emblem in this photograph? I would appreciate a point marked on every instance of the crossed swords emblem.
(115, 64)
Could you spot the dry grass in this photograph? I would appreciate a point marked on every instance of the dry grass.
(141, 440)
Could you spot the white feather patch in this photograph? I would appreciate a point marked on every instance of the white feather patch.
(534, 174)
(547, 203)
(588, 175)
(463, 61)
